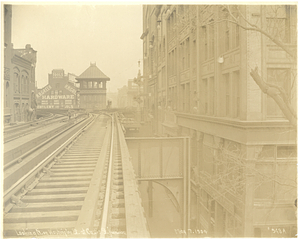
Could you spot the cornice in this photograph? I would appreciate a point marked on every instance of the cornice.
(236, 123)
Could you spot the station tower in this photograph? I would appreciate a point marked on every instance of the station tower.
(92, 88)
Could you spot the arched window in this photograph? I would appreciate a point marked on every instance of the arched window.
(16, 76)
(16, 80)
(26, 85)
(22, 84)
(19, 84)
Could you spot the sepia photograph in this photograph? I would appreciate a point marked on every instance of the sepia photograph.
(149, 120)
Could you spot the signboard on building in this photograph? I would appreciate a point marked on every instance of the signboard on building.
(43, 91)
(69, 88)
(58, 97)
(58, 73)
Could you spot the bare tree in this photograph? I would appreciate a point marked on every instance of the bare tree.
(274, 29)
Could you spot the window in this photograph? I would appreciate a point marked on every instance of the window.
(237, 35)
(22, 84)
(212, 39)
(225, 31)
(159, 53)
(185, 54)
(7, 94)
(27, 84)
(163, 77)
(235, 27)
(205, 42)
(264, 182)
(183, 97)
(187, 93)
(194, 54)
(211, 95)
(208, 163)
(188, 53)
(182, 47)
(281, 78)
(236, 94)
(164, 48)
(16, 82)
(205, 96)
(278, 22)
(226, 36)
(227, 94)
(276, 173)
(84, 84)
(90, 84)
(172, 25)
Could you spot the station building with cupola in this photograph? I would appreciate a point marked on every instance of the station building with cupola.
(92, 88)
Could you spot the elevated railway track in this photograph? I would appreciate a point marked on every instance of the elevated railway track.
(80, 189)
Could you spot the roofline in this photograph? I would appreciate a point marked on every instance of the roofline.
(83, 78)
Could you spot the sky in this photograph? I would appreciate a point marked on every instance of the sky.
(72, 36)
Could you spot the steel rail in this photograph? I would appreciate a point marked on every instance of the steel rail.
(108, 186)
(25, 129)
(12, 128)
(22, 181)
(19, 159)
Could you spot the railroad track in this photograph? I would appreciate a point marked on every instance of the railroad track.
(17, 131)
(79, 194)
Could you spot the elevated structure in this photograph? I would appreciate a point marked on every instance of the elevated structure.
(92, 88)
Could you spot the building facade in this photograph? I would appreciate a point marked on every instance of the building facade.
(61, 92)
(197, 65)
(127, 95)
(19, 101)
(92, 88)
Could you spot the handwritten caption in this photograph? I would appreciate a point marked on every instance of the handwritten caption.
(66, 232)
(190, 231)
(277, 230)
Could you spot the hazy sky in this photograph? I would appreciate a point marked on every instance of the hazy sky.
(70, 36)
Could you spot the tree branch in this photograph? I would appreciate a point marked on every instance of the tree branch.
(276, 95)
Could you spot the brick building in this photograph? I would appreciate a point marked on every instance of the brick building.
(61, 92)
(197, 63)
(19, 77)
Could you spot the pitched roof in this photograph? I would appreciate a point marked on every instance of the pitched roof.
(93, 72)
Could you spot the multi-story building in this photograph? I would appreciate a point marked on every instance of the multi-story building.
(19, 77)
(61, 92)
(92, 88)
(128, 95)
(122, 97)
(197, 65)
